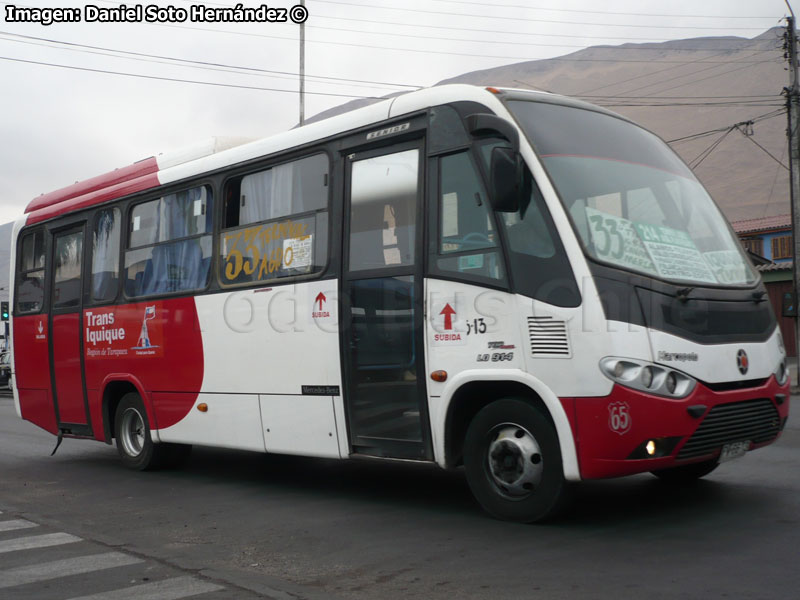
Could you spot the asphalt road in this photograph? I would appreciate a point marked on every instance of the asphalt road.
(241, 525)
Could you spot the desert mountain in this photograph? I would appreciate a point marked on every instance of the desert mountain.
(677, 89)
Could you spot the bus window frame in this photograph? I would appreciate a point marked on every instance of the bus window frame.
(92, 219)
(19, 273)
(150, 196)
(260, 167)
(60, 228)
(504, 283)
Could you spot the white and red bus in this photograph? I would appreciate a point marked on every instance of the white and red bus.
(526, 285)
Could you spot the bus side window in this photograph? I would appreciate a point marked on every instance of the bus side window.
(468, 242)
(67, 259)
(30, 290)
(276, 222)
(170, 244)
(105, 255)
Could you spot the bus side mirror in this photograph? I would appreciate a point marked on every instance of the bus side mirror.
(506, 180)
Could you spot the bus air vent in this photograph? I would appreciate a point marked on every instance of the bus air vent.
(754, 420)
(548, 337)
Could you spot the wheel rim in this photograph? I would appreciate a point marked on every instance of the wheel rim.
(132, 433)
(514, 460)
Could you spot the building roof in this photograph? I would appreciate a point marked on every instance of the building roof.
(762, 224)
(771, 267)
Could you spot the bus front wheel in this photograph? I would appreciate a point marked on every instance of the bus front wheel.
(513, 463)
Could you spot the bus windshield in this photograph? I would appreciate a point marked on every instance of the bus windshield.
(635, 204)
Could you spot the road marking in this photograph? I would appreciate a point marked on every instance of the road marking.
(16, 524)
(37, 541)
(169, 589)
(64, 568)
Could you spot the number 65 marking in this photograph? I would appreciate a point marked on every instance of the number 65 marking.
(619, 417)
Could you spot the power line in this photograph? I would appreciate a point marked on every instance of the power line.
(750, 137)
(444, 52)
(600, 12)
(540, 8)
(508, 43)
(678, 104)
(202, 64)
(506, 32)
(737, 68)
(587, 94)
(763, 96)
(774, 182)
(484, 16)
(172, 79)
(602, 87)
(696, 136)
(656, 83)
(451, 28)
(705, 153)
(765, 116)
(495, 41)
(662, 81)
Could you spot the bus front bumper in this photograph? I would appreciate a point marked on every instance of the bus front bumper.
(630, 432)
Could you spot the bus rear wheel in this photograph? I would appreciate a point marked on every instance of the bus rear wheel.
(134, 442)
(513, 463)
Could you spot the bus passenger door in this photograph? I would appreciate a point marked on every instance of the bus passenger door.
(66, 348)
(382, 303)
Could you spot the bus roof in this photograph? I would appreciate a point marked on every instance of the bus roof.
(168, 168)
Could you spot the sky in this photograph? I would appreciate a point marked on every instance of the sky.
(78, 99)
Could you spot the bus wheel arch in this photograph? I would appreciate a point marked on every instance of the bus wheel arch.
(123, 393)
(469, 399)
(113, 392)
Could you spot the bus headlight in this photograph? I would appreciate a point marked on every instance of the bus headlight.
(647, 377)
(782, 373)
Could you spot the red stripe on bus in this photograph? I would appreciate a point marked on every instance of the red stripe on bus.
(144, 167)
(97, 197)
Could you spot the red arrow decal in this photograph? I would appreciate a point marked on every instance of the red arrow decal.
(448, 313)
(320, 298)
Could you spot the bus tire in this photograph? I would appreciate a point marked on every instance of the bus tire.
(512, 460)
(686, 473)
(132, 433)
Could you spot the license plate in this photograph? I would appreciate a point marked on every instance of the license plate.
(734, 450)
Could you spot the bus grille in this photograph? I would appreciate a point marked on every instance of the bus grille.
(754, 420)
(548, 337)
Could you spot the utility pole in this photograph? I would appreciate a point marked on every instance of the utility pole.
(302, 68)
(793, 109)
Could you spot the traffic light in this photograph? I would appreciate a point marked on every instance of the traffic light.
(4, 310)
